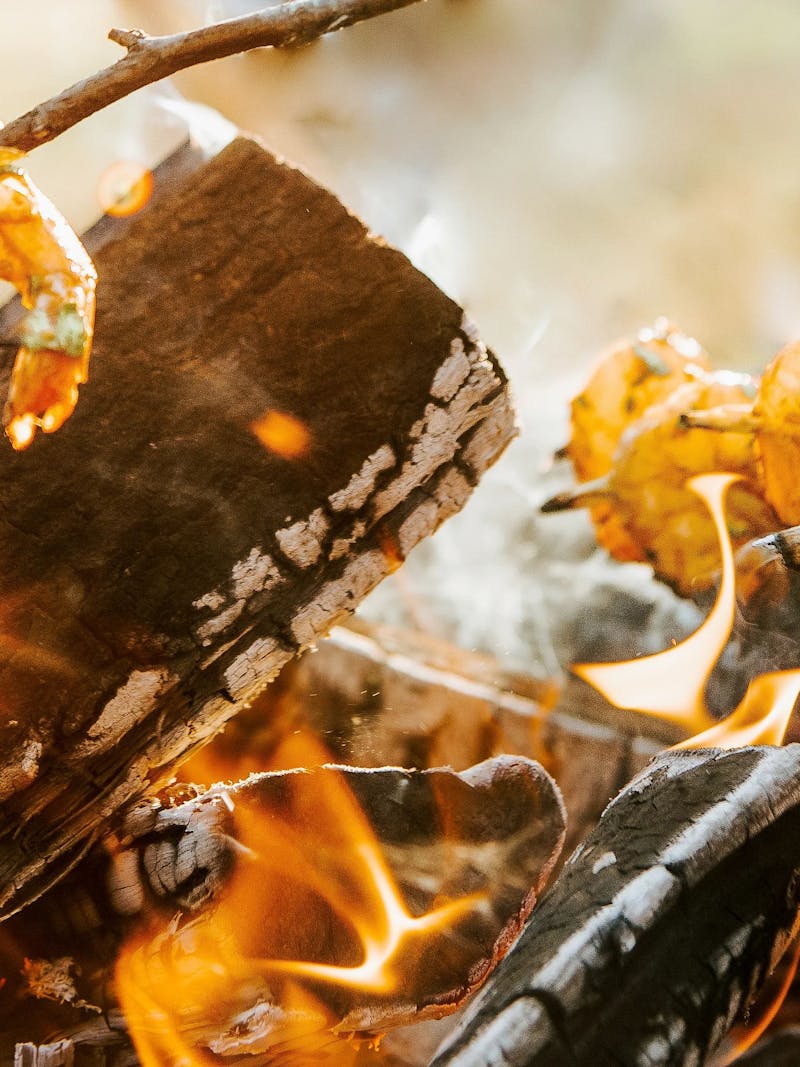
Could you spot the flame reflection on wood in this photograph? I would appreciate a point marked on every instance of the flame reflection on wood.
(124, 188)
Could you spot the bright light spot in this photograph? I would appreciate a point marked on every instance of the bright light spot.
(124, 188)
(20, 431)
(283, 434)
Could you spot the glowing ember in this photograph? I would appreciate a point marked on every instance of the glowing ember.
(124, 188)
(20, 431)
(390, 549)
(44, 260)
(670, 684)
(283, 434)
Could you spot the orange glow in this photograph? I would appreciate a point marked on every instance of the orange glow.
(390, 549)
(312, 931)
(760, 719)
(49, 267)
(670, 684)
(124, 188)
(283, 434)
(754, 1032)
(20, 431)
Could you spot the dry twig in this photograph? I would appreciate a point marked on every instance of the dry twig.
(149, 59)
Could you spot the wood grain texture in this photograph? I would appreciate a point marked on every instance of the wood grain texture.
(158, 565)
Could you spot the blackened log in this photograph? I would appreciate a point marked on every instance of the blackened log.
(158, 563)
(494, 830)
(661, 927)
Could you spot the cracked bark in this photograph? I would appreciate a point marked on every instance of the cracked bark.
(660, 928)
(159, 563)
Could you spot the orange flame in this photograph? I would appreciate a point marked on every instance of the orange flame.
(312, 911)
(671, 684)
(760, 719)
(124, 188)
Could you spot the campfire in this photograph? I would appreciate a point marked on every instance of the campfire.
(239, 825)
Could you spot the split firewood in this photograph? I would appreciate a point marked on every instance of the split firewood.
(315, 903)
(661, 927)
(281, 408)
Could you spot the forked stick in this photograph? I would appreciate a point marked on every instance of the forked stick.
(149, 59)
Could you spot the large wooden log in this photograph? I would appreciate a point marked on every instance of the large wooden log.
(158, 562)
(660, 928)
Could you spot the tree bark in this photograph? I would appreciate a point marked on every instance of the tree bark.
(660, 928)
(159, 562)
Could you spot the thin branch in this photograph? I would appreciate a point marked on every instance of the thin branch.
(149, 59)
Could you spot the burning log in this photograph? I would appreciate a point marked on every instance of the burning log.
(381, 695)
(661, 927)
(281, 408)
(323, 902)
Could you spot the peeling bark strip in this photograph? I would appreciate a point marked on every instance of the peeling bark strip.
(159, 563)
(660, 928)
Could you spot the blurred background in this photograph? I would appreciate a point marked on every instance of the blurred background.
(568, 170)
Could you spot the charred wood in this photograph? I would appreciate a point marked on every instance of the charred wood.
(490, 835)
(661, 927)
(383, 696)
(168, 552)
